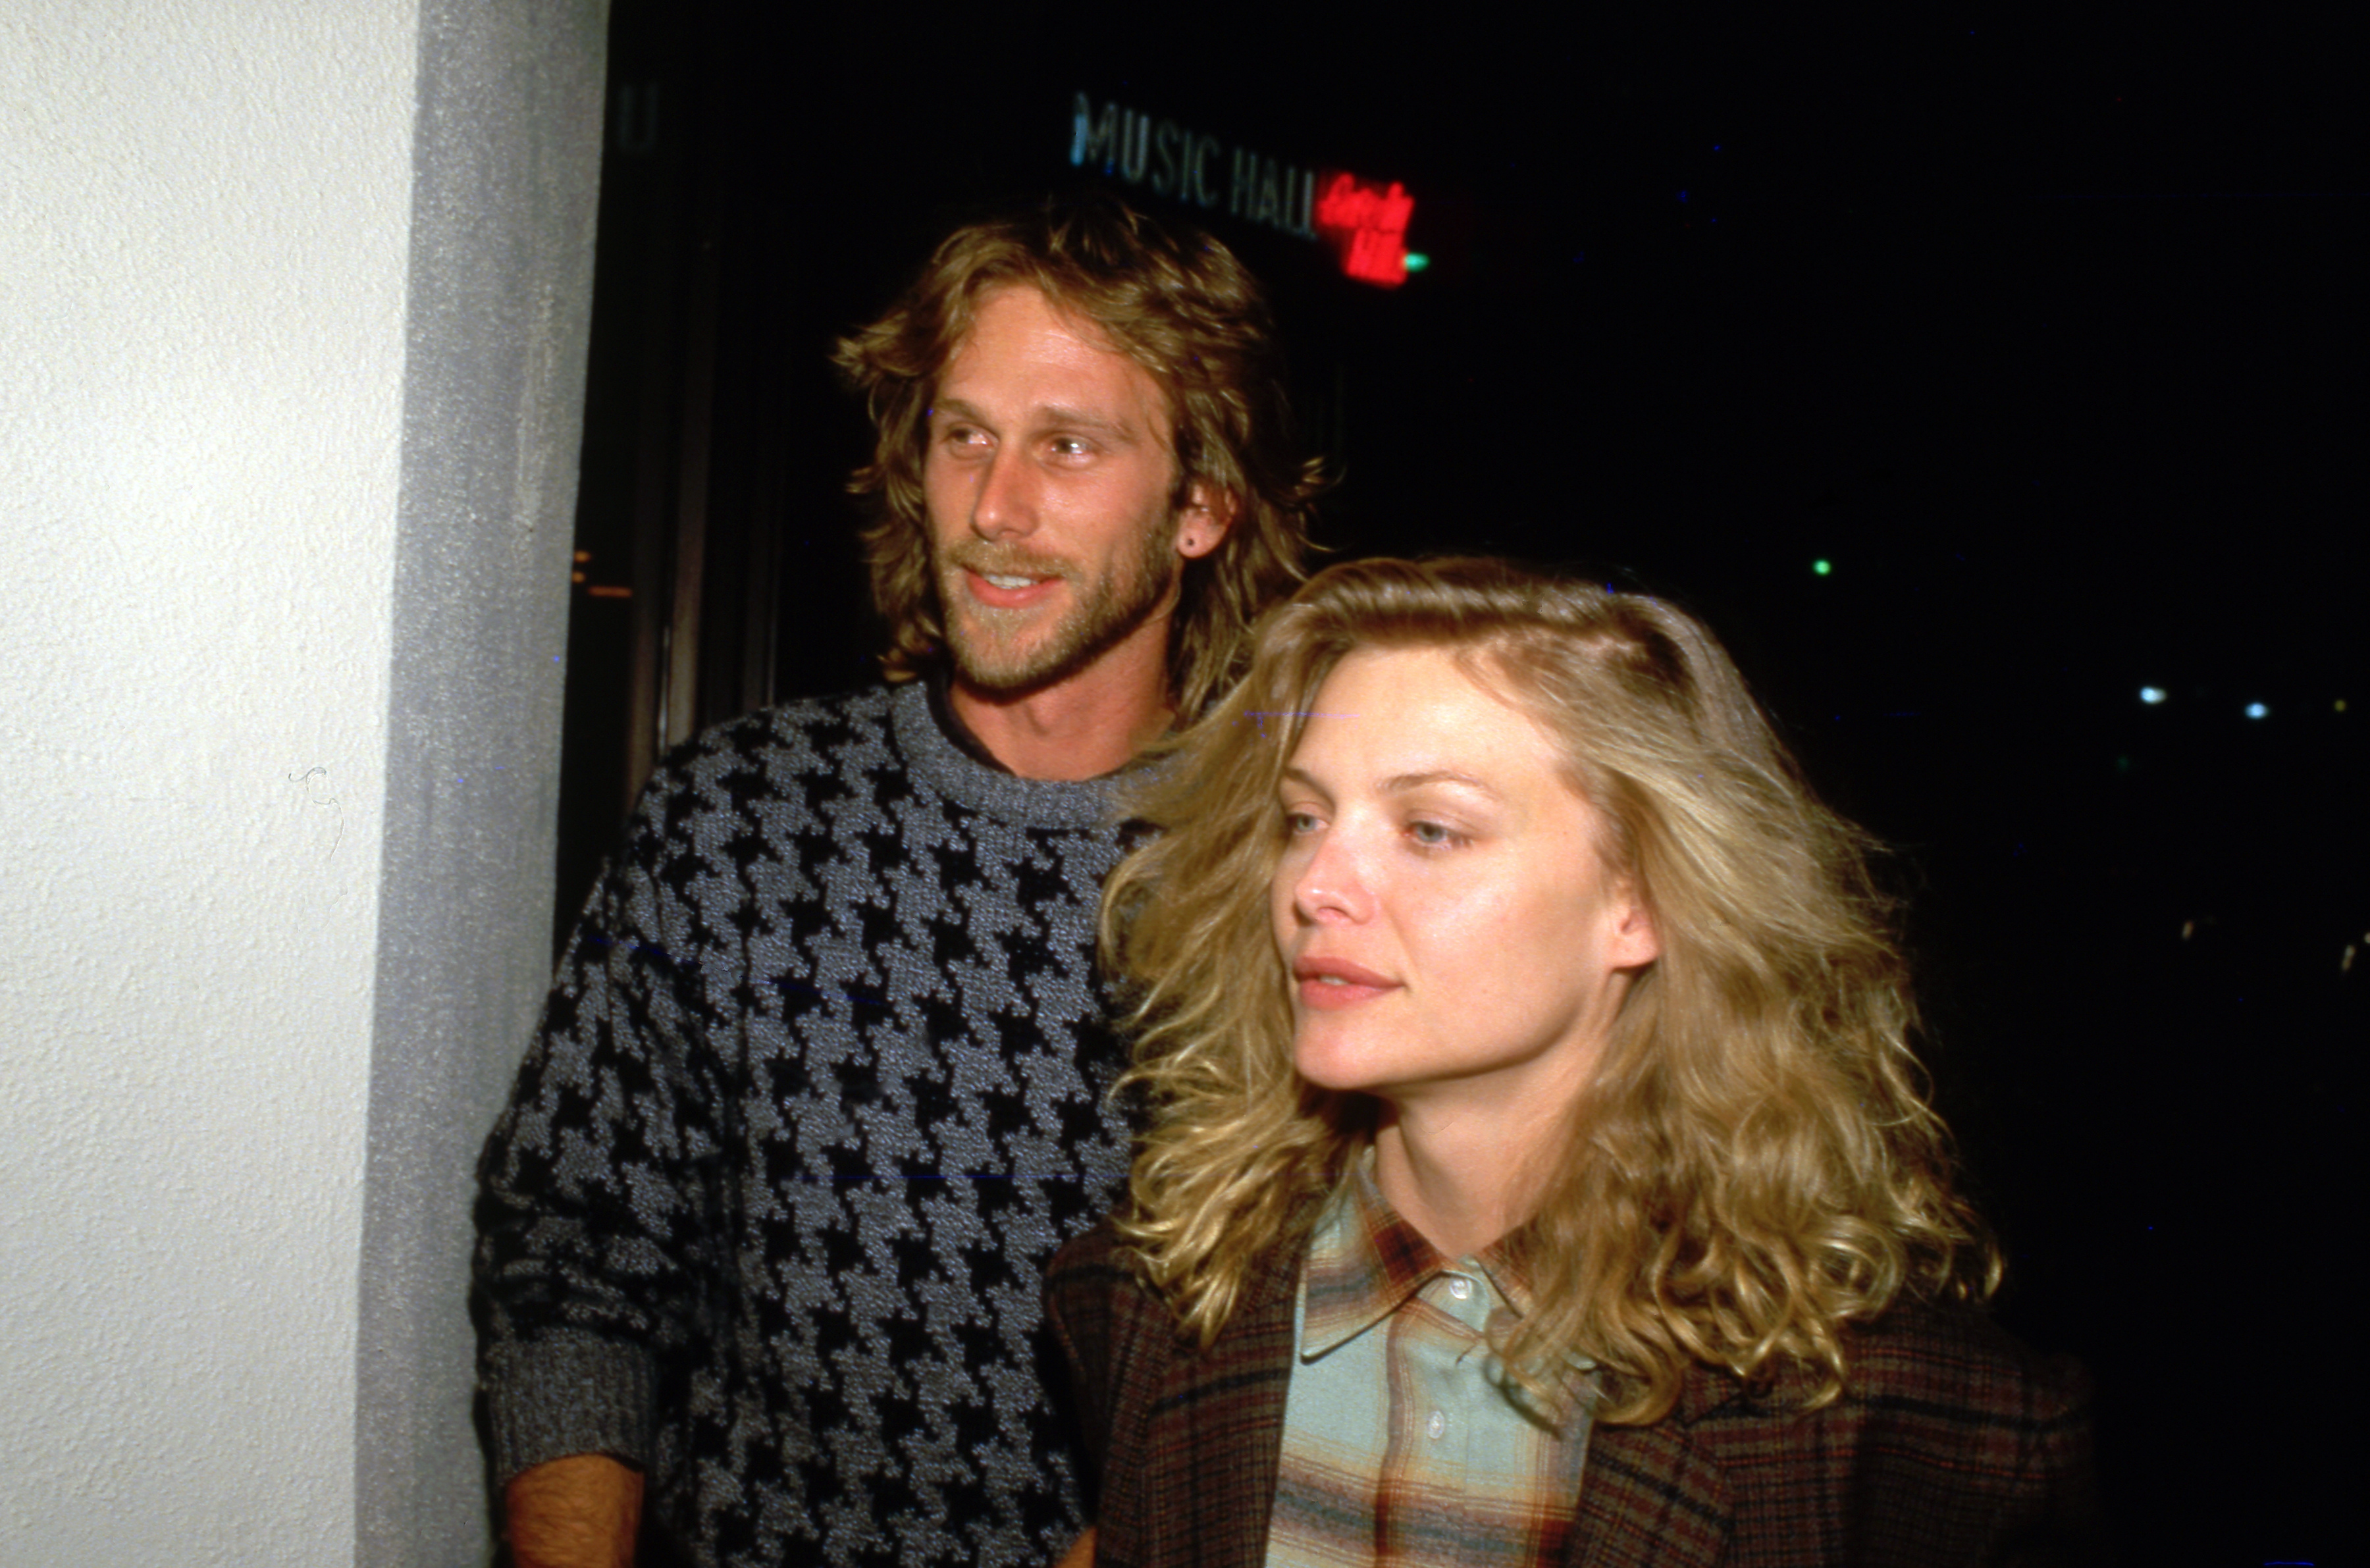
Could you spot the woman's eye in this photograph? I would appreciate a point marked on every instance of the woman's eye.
(1298, 823)
(1430, 834)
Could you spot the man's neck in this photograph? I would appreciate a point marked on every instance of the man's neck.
(1080, 728)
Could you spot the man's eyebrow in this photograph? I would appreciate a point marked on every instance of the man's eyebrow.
(1045, 416)
(1060, 416)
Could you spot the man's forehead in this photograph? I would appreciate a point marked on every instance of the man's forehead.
(1019, 331)
(1034, 299)
(1028, 305)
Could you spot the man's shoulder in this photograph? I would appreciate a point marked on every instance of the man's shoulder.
(818, 735)
(824, 721)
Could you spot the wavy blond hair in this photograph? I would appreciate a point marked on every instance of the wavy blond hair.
(1755, 1165)
(1181, 306)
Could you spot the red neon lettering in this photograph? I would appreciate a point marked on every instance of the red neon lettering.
(1368, 226)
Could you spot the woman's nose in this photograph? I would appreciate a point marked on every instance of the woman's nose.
(1331, 884)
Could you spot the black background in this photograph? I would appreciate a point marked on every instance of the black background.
(2045, 330)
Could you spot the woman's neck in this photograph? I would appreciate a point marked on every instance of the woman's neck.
(1462, 1186)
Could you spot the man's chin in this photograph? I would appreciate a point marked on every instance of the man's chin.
(1007, 677)
(1003, 657)
(1009, 668)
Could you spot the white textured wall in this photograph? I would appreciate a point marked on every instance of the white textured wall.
(215, 470)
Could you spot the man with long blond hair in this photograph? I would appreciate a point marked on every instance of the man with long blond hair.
(821, 1079)
(1538, 1169)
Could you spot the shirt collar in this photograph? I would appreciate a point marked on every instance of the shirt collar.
(1365, 1262)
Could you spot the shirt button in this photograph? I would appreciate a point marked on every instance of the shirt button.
(1461, 1288)
(1437, 1426)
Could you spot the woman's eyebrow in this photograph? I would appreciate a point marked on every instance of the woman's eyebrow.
(1399, 783)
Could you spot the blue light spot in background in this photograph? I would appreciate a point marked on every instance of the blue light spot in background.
(2257, 710)
(2151, 695)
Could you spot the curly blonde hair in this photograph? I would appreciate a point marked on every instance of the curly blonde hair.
(1181, 306)
(1755, 1166)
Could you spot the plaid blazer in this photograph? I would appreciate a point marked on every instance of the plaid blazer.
(1955, 1444)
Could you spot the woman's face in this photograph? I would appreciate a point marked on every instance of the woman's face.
(1453, 936)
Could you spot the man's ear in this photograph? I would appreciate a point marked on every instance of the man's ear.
(1204, 520)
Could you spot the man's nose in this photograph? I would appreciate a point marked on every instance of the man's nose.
(1003, 507)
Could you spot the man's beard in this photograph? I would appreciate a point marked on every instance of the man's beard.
(1008, 653)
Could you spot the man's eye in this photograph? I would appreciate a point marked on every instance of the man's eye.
(1067, 446)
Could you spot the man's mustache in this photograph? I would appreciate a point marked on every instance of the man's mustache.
(989, 560)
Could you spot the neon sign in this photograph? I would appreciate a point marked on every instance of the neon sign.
(1366, 224)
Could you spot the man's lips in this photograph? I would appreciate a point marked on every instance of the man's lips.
(1004, 579)
(1008, 590)
(1337, 983)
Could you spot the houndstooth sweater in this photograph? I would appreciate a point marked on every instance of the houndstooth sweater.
(819, 1089)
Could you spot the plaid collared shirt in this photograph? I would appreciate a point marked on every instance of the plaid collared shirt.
(1404, 1441)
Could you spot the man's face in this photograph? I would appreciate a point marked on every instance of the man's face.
(1048, 477)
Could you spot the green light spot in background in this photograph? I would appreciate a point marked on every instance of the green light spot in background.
(1823, 567)
(1417, 260)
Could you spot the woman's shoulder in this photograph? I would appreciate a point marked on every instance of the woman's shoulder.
(1099, 1298)
(1945, 1357)
(1953, 1440)
(1925, 1382)
(1097, 1249)
(1093, 1295)
(1945, 1362)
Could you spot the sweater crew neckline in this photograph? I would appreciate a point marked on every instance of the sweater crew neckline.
(950, 768)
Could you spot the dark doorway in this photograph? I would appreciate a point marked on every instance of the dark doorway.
(1996, 389)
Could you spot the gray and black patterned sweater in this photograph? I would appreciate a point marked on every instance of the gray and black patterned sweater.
(820, 1087)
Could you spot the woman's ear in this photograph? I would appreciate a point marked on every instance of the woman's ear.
(1637, 941)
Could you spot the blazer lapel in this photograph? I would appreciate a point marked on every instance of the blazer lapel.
(1208, 1447)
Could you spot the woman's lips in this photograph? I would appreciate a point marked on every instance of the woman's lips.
(1328, 982)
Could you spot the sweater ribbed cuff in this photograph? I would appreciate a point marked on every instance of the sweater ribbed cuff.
(565, 1394)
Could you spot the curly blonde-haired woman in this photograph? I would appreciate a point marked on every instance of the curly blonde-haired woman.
(1537, 1170)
